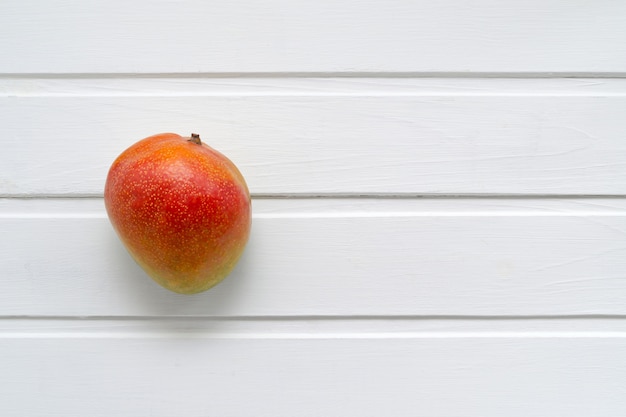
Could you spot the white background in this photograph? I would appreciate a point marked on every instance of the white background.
(439, 221)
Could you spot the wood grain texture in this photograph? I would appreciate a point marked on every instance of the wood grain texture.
(327, 136)
(334, 258)
(196, 376)
(191, 36)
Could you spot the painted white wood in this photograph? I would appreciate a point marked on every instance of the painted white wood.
(354, 306)
(289, 136)
(306, 327)
(206, 374)
(240, 36)
(323, 257)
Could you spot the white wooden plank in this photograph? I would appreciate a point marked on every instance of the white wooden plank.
(326, 258)
(327, 136)
(419, 376)
(76, 36)
(308, 327)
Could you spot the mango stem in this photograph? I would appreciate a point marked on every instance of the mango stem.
(195, 138)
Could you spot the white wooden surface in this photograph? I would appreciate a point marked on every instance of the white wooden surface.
(328, 136)
(325, 257)
(439, 208)
(242, 36)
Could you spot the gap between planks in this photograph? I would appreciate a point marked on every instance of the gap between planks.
(171, 85)
(348, 196)
(327, 74)
(314, 327)
(372, 206)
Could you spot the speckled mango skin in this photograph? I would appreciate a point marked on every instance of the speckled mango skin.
(182, 210)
